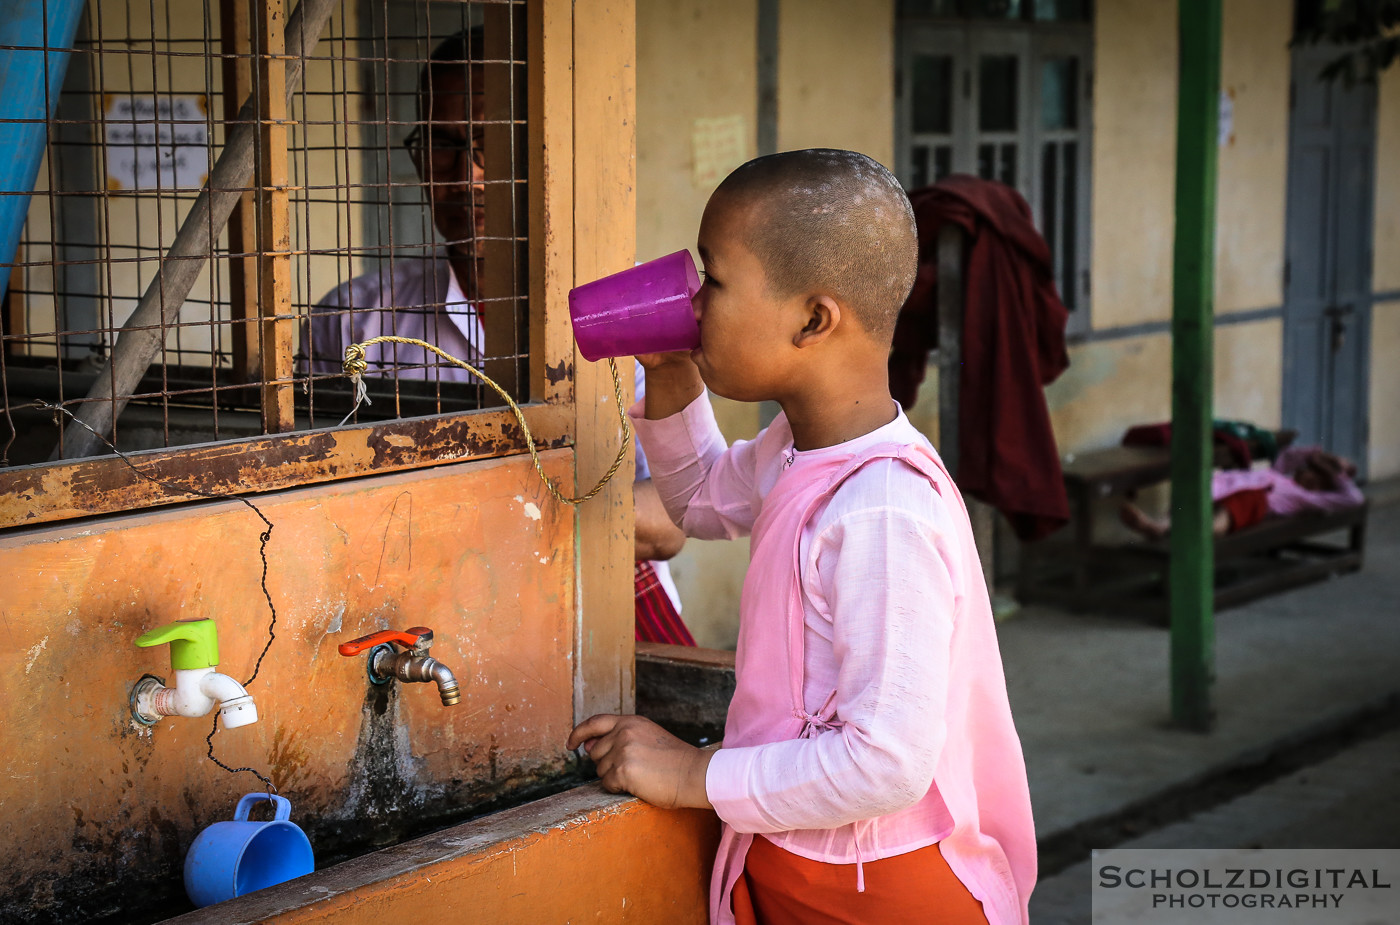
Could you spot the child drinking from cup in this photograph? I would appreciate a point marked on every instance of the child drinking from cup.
(870, 770)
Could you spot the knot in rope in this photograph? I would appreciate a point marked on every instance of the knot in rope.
(355, 363)
(355, 366)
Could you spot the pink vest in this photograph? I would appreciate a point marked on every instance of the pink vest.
(768, 704)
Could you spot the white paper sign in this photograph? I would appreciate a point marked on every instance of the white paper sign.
(156, 142)
(717, 146)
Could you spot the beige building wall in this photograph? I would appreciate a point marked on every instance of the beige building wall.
(1134, 172)
(1113, 384)
(685, 75)
(1109, 383)
(1252, 181)
(1249, 372)
(836, 76)
(1134, 152)
(1385, 324)
(836, 89)
(1384, 457)
(688, 88)
(1386, 275)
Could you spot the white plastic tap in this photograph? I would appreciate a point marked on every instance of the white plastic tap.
(194, 653)
(196, 692)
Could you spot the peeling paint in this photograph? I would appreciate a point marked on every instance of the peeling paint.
(335, 626)
(34, 653)
(559, 372)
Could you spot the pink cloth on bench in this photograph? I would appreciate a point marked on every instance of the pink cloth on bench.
(1286, 497)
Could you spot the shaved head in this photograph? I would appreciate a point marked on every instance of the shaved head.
(830, 221)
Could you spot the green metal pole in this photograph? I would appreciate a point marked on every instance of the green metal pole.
(1193, 279)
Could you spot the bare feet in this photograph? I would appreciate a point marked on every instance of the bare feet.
(1136, 520)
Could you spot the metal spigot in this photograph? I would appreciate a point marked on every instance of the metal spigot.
(385, 663)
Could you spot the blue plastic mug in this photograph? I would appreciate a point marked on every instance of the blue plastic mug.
(229, 859)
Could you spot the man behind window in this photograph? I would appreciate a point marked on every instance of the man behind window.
(434, 298)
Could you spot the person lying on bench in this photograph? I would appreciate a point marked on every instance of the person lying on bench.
(1306, 478)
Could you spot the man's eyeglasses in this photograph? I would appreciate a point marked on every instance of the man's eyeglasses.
(442, 152)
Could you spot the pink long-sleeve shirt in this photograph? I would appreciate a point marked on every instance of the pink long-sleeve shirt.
(892, 626)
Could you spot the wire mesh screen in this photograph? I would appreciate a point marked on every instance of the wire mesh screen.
(228, 193)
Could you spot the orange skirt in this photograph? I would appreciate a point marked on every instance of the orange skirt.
(917, 888)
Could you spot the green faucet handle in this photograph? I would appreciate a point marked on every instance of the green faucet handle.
(193, 643)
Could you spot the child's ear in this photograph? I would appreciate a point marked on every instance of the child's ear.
(822, 315)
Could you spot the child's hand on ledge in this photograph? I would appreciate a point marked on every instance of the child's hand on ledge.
(634, 755)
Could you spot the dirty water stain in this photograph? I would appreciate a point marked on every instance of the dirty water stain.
(383, 776)
(288, 758)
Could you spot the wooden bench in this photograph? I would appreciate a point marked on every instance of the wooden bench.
(1269, 557)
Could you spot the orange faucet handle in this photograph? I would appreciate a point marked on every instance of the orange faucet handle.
(411, 638)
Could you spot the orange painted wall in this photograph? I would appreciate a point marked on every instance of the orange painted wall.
(478, 551)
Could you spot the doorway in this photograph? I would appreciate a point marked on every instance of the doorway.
(1327, 269)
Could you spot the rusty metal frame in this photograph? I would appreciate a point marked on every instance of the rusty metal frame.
(106, 485)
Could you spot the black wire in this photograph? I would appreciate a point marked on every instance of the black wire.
(209, 740)
(263, 539)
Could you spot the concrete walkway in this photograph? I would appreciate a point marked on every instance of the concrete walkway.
(1351, 800)
(1090, 692)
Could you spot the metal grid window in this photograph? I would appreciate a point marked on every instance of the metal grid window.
(370, 158)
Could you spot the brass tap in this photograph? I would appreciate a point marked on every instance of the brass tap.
(414, 665)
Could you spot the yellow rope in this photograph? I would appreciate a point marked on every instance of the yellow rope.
(355, 366)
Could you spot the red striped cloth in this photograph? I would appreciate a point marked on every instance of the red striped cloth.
(657, 618)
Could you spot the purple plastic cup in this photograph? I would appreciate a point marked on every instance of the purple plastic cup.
(642, 310)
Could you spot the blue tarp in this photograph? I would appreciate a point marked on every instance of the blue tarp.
(31, 76)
